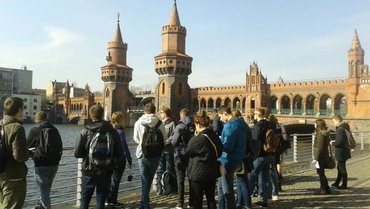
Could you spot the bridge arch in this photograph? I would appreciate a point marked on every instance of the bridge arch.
(218, 102)
(310, 104)
(274, 104)
(145, 101)
(325, 104)
(236, 103)
(285, 104)
(297, 105)
(227, 102)
(340, 104)
(243, 104)
(203, 104)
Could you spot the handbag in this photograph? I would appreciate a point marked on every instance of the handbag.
(240, 169)
(331, 163)
(221, 167)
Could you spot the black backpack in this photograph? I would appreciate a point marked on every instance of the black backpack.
(166, 181)
(101, 149)
(153, 141)
(3, 152)
(50, 146)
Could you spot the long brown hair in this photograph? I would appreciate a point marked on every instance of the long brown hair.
(320, 125)
(202, 119)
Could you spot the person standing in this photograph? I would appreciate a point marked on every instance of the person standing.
(119, 166)
(180, 140)
(167, 161)
(321, 154)
(203, 151)
(148, 163)
(342, 152)
(13, 179)
(44, 135)
(233, 139)
(97, 168)
(217, 123)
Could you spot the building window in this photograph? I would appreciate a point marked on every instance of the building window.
(34, 107)
(163, 88)
(25, 107)
(34, 100)
(25, 100)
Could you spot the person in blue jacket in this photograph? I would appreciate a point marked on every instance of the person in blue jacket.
(233, 139)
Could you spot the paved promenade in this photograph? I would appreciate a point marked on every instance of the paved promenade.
(300, 184)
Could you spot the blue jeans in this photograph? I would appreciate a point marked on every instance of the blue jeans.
(273, 185)
(44, 176)
(261, 171)
(243, 193)
(226, 195)
(167, 163)
(115, 181)
(89, 183)
(148, 167)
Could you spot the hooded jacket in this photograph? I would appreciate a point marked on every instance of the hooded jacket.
(83, 143)
(233, 139)
(15, 144)
(321, 147)
(169, 126)
(259, 137)
(151, 120)
(342, 153)
(33, 140)
(181, 131)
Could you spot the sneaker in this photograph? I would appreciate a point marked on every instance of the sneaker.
(109, 204)
(179, 206)
(261, 204)
(189, 206)
(335, 185)
(342, 187)
(275, 197)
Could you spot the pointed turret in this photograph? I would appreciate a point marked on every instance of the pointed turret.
(118, 35)
(356, 41)
(174, 19)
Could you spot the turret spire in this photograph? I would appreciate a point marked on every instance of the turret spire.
(174, 19)
(356, 41)
(118, 36)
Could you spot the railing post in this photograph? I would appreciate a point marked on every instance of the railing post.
(313, 141)
(79, 182)
(362, 141)
(295, 149)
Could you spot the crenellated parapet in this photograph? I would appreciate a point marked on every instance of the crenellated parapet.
(307, 84)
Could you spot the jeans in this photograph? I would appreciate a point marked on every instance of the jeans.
(273, 181)
(44, 176)
(198, 188)
(12, 194)
(243, 193)
(261, 171)
(181, 164)
(166, 163)
(342, 173)
(226, 195)
(115, 181)
(89, 183)
(147, 167)
(323, 180)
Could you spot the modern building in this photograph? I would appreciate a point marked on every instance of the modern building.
(32, 105)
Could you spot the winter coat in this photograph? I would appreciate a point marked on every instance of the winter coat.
(259, 137)
(151, 120)
(180, 134)
(125, 149)
(203, 165)
(83, 144)
(321, 147)
(217, 125)
(15, 144)
(33, 140)
(233, 139)
(170, 126)
(342, 153)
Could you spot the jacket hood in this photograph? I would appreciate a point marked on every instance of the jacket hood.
(149, 119)
(44, 123)
(186, 120)
(241, 123)
(104, 126)
(344, 125)
(9, 119)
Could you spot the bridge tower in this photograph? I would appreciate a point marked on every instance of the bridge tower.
(357, 71)
(116, 76)
(258, 90)
(67, 99)
(173, 66)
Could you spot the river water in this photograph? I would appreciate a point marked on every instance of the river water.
(65, 183)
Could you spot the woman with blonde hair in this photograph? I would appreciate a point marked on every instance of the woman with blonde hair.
(203, 151)
(321, 154)
(119, 167)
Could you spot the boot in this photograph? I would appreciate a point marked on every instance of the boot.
(337, 181)
(344, 184)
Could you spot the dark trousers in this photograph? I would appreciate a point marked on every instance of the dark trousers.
(342, 173)
(166, 163)
(198, 188)
(323, 180)
(89, 183)
(181, 163)
(115, 181)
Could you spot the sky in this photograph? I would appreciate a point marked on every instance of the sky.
(297, 40)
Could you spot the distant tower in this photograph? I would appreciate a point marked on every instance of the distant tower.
(116, 76)
(173, 66)
(355, 58)
(67, 98)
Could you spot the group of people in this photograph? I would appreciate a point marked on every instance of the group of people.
(210, 153)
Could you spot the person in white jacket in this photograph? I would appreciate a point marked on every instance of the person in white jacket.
(148, 163)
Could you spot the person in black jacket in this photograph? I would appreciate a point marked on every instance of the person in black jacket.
(203, 151)
(93, 175)
(342, 153)
(45, 167)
